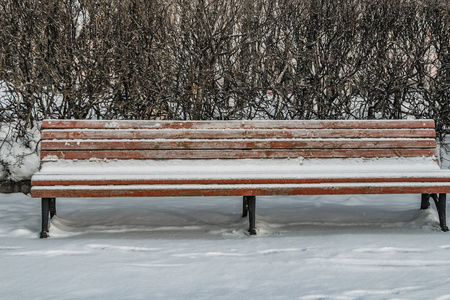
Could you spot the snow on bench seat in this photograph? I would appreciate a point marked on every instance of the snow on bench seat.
(132, 172)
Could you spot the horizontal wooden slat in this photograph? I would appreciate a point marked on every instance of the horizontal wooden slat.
(234, 134)
(237, 144)
(238, 190)
(38, 182)
(274, 124)
(239, 154)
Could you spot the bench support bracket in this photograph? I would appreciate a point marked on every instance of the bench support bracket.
(48, 206)
(441, 205)
(52, 207)
(425, 201)
(245, 206)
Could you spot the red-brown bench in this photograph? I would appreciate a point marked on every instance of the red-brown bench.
(237, 158)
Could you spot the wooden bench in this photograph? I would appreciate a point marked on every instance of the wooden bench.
(237, 158)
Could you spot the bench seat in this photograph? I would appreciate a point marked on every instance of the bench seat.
(154, 178)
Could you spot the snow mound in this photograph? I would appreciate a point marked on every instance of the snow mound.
(19, 157)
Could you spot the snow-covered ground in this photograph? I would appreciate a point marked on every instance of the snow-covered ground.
(307, 247)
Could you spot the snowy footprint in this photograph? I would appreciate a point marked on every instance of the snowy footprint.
(389, 250)
(51, 253)
(7, 248)
(121, 248)
(279, 251)
(362, 294)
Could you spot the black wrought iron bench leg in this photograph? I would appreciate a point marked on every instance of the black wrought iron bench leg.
(441, 205)
(48, 207)
(252, 214)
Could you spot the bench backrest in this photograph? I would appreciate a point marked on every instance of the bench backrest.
(80, 139)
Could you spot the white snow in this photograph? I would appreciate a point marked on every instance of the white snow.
(242, 168)
(21, 160)
(307, 247)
